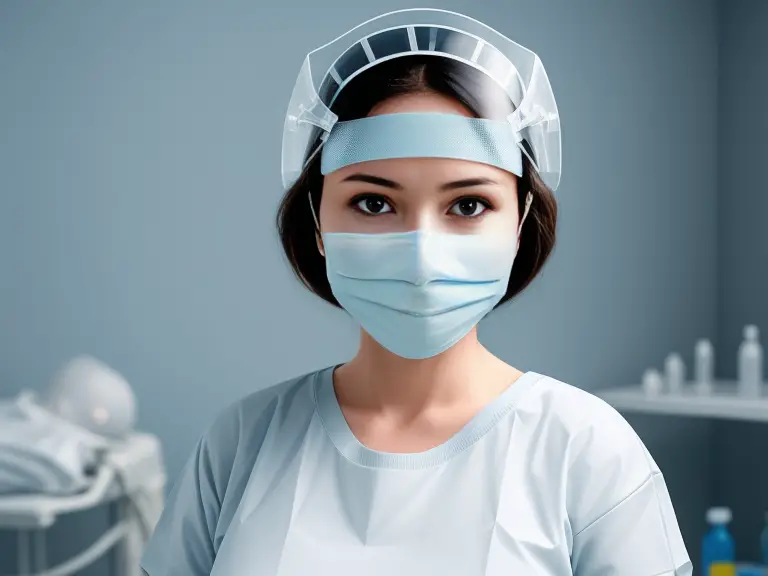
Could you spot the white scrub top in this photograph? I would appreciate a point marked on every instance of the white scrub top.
(546, 480)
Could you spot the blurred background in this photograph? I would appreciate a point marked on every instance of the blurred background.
(140, 174)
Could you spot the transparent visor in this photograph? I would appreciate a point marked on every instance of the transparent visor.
(328, 69)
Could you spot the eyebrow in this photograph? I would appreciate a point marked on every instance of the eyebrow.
(386, 183)
(376, 180)
(468, 183)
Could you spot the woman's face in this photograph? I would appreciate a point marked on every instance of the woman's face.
(405, 194)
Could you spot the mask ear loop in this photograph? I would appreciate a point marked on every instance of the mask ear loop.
(528, 202)
(312, 209)
(318, 235)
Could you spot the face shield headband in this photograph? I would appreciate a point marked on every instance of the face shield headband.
(532, 129)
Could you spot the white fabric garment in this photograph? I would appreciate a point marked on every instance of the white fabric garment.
(41, 453)
(547, 480)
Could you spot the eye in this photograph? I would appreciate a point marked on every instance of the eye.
(469, 207)
(372, 204)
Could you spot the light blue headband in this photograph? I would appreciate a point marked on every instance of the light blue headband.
(422, 135)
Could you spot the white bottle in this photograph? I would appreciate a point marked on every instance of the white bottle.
(719, 515)
(674, 371)
(704, 366)
(653, 383)
(750, 363)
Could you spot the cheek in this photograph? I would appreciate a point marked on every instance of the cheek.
(502, 221)
(505, 231)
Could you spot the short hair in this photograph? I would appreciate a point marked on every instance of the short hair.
(407, 75)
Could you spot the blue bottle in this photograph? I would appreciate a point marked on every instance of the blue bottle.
(718, 550)
(764, 543)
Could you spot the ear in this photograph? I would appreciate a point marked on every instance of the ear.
(320, 247)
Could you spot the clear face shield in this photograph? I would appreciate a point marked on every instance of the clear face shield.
(535, 122)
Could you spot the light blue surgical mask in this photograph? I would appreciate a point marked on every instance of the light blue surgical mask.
(418, 293)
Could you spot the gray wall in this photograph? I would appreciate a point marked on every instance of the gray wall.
(742, 474)
(140, 173)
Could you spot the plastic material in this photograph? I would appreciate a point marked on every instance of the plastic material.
(704, 366)
(719, 515)
(750, 363)
(674, 373)
(653, 382)
(430, 32)
(718, 550)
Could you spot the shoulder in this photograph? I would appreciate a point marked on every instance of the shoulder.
(604, 461)
(234, 439)
(205, 497)
(240, 434)
(579, 412)
(248, 418)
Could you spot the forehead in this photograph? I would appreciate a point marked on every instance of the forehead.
(420, 102)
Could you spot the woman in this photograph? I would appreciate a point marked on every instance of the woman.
(420, 170)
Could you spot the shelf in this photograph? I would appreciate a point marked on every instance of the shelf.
(723, 403)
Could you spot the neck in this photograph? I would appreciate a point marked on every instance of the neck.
(376, 379)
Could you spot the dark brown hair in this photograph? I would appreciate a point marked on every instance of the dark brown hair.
(407, 75)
